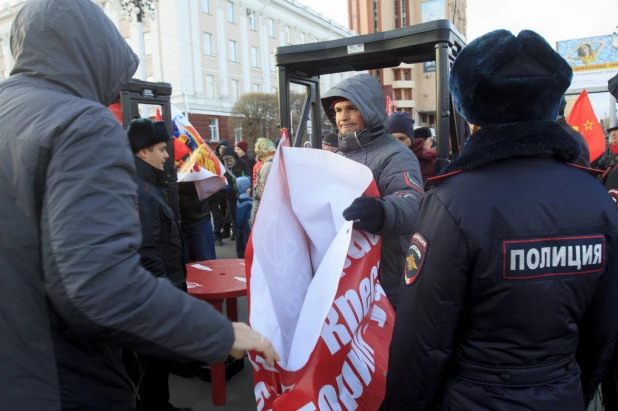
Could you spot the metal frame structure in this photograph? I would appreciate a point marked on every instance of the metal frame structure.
(437, 41)
(138, 92)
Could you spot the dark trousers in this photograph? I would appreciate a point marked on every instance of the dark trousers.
(241, 244)
(230, 199)
(154, 393)
(199, 242)
(224, 206)
(216, 215)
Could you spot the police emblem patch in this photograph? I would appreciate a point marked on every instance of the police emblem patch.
(415, 258)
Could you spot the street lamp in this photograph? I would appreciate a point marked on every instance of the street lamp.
(140, 9)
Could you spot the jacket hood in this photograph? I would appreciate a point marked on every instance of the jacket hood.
(74, 44)
(223, 143)
(229, 151)
(242, 184)
(365, 92)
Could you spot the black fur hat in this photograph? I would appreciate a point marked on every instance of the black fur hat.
(499, 78)
(143, 133)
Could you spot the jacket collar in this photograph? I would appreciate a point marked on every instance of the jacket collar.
(501, 141)
(148, 173)
(359, 140)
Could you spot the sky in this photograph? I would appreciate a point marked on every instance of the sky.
(553, 19)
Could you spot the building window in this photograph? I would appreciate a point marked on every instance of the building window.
(208, 44)
(406, 74)
(273, 67)
(254, 57)
(235, 90)
(233, 54)
(147, 44)
(206, 6)
(251, 19)
(210, 86)
(287, 34)
(256, 88)
(271, 28)
(375, 16)
(403, 14)
(230, 12)
(213, 124)
(397, 14)
(238, 135)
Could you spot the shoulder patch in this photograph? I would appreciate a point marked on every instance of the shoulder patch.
(553, 257)
(415, 258)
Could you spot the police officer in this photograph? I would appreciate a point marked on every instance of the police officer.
(161, 249)
(510, 295)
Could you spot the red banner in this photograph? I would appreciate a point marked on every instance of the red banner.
(342, 364)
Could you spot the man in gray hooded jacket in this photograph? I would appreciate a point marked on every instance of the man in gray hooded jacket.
(356, 107)
(72, 291)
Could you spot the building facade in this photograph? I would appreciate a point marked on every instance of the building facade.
(412, 87)
(211, 51)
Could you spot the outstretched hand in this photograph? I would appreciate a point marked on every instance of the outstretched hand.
(246, 339)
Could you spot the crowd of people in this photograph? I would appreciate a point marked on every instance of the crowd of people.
(503, 275)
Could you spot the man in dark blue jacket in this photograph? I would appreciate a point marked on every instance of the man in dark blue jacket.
(510, 300)
(161, 249)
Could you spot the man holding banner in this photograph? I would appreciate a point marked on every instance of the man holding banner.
(356, 107)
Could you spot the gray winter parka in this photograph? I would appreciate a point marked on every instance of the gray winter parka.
(72, 291)
(395, 170)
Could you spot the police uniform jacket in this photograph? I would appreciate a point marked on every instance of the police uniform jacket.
(161, 249)
(510, 300)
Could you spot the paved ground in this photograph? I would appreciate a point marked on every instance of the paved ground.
(196, 393)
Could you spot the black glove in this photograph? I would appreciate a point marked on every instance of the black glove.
(369, 212)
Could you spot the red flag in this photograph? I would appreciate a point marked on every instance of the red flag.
(116, 108)
(158, 116)
(583, 119)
